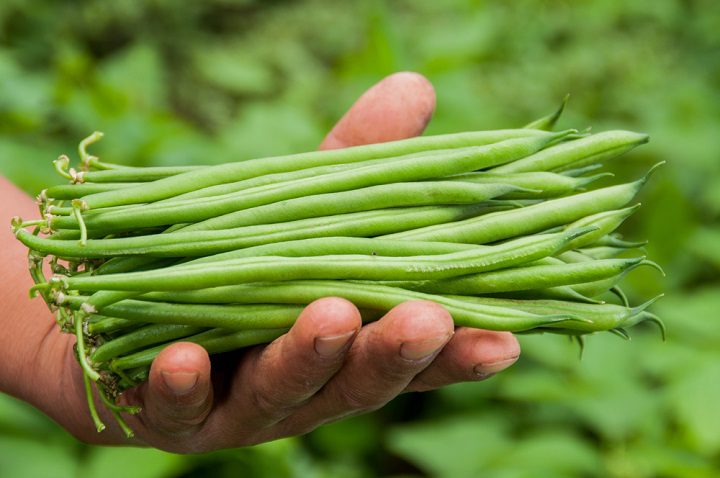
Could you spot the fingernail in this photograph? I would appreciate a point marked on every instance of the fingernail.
(331, 345)
(424, 348)
(180, 383)
(480, 374)
(493, 367)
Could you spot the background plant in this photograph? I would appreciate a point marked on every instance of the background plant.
(226, 79)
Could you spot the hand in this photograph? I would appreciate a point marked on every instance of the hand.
(326, 368)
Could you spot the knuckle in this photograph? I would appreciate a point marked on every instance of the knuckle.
(355, 399)
(267, 405)
(397, 372)
(422, 385)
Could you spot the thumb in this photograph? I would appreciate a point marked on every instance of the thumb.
(179, 395)
(398, 107)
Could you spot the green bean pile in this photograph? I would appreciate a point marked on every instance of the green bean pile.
(497, 226)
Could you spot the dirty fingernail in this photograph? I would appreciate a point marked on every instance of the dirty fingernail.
(493, 367)
(180, 383)
(331, 345)
(424, 348)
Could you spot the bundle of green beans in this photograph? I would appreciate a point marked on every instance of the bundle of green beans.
(497, 226)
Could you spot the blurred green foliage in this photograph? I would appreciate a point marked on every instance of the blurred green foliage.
(219, 80)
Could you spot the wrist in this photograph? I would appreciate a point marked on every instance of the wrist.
(38, 362)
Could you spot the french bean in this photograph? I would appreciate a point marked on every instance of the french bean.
(140, 338)
(200, 243)
(539, 184)
(270, 268)
(210, 176)
(537, 217)
(414, 169)
(526, 278)
(591, 149)
(214, 341)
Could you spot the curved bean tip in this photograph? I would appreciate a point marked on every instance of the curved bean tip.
(652, 170)
(620, 332)
(584, 181)
(642, 307)
(633, 262)
(654, 265)
(631, 209)
(579, 232)
(620, 295)
(649, 317)
(643, 138)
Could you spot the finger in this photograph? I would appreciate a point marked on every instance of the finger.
(178, 395)
(398, 107)
(471, 355)
(384, 358)
(273, 381)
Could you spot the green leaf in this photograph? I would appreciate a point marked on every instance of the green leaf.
(23, 458)
(235, 69)
(705, 244)
(695, 402)
(457, 447)
(135, 462)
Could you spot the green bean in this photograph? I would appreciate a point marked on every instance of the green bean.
(540, 184)
(340, 245)
(135, 174)
(597, 288)
(306, 247)
(600, 316)
(277, 179)
(74, 191)
(66, 211)
(578, 153)
(425, 193)
(561, 292)
(199, 243)
(525, 278)
(414, 169)
(577, 172)
(140, 338)
(538, 217)
(363, 294)
(226, 316)
(271, 268)
(573, 256)
(602, 252)
(231, 172)
(214, 341)
(605, 222)
(370, 296)
(613, 240)
(116, 265)
(100, 324)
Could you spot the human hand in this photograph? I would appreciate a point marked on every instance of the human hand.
(326, 368)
